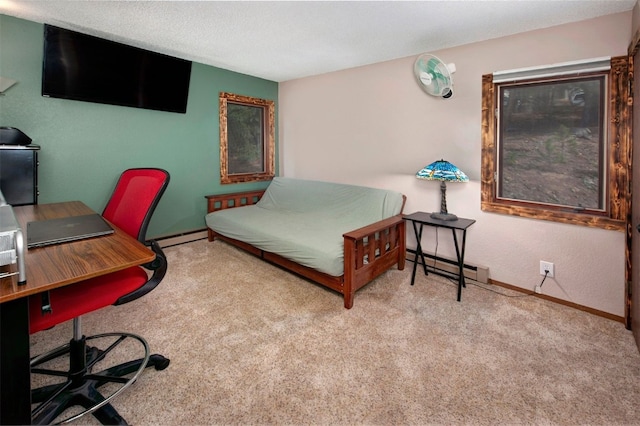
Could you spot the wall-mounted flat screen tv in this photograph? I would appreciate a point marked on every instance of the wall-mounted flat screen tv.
(85, 68)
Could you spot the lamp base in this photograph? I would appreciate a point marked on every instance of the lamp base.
(444, 216)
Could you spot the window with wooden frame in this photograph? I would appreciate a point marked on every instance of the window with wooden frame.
(556, 143)
(247, 139)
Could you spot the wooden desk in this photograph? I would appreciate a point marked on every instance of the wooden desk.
(48, 268)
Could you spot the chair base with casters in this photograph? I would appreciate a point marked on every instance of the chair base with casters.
(81, 384)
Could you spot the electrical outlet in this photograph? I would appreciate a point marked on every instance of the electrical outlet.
(546, 266)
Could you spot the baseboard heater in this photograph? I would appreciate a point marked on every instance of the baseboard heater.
(185, 237)
(449, 267)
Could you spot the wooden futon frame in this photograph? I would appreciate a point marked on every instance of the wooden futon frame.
(368, 251)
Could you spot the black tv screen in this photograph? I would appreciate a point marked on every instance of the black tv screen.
(86, 68)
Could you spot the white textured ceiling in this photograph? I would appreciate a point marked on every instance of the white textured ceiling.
(284, 40)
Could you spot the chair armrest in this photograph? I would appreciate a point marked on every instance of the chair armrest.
(159, 268)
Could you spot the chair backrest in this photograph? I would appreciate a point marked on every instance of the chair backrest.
(134, 199)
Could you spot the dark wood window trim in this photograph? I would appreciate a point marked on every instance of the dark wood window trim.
(618, 172)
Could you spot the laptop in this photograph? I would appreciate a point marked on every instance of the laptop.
(42, 233)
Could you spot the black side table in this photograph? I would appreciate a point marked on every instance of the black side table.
(419, 219)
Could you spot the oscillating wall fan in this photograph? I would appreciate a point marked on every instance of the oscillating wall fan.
(434, 76)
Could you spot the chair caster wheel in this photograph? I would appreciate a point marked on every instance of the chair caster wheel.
(159, 362)
(162, 365)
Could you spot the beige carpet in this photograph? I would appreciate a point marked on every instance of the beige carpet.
(250, 343)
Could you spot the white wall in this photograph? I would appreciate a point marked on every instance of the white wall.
(374, 126)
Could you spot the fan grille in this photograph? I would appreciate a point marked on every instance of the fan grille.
(433, 75)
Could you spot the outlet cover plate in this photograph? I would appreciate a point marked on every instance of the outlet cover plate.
(546, 266)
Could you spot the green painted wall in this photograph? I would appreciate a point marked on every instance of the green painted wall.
(85, 146)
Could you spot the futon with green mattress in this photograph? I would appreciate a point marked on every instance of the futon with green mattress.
(339, 235)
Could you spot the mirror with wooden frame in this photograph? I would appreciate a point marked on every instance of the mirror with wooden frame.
(247, 139)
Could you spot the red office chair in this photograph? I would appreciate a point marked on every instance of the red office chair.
(132, 203)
